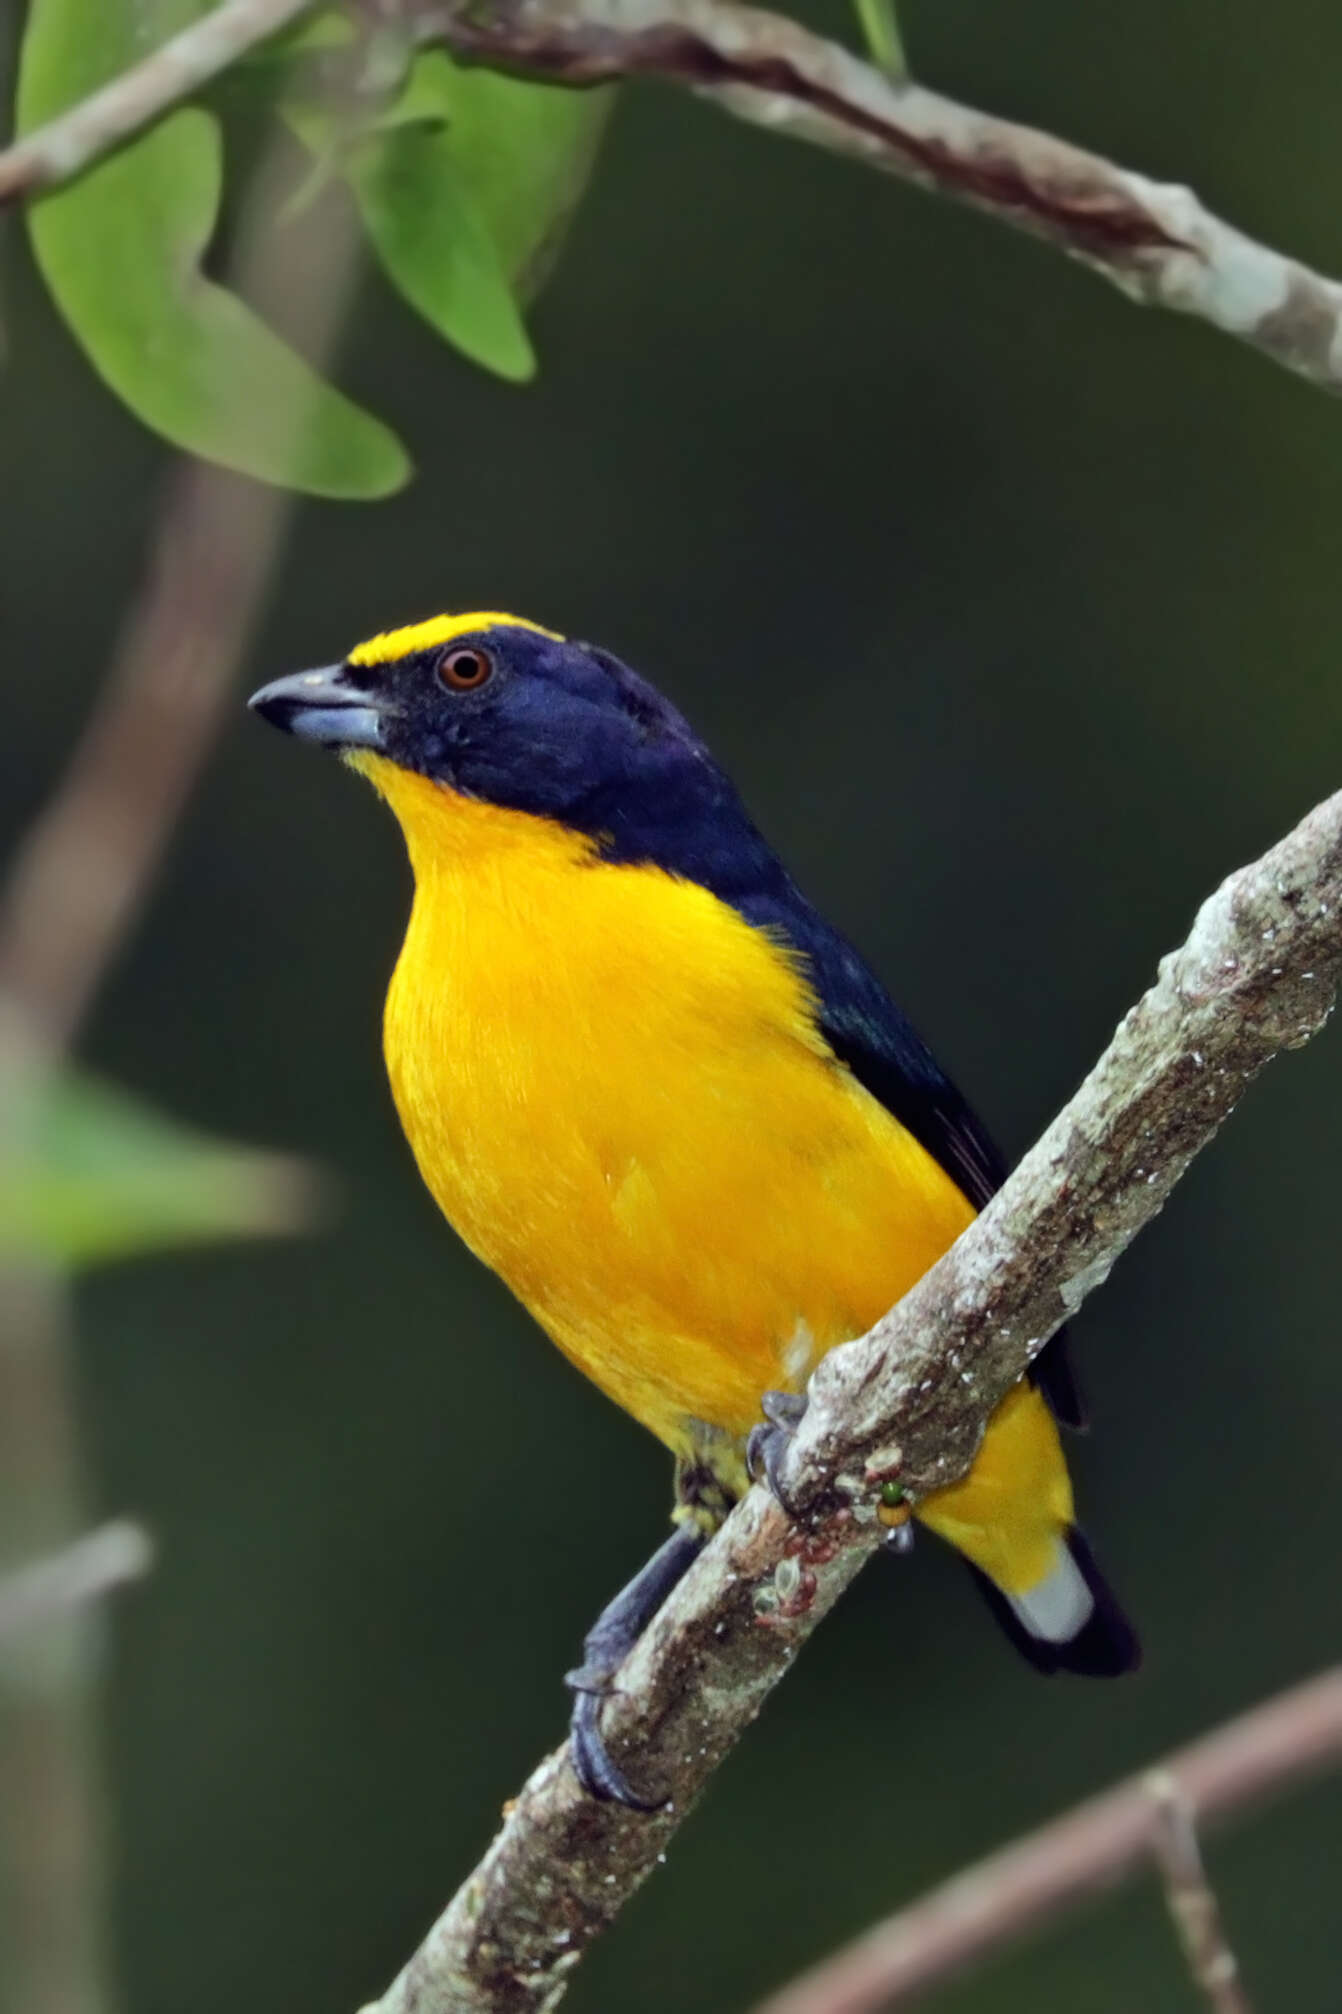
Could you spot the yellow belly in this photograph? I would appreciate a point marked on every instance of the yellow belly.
(615, 1091)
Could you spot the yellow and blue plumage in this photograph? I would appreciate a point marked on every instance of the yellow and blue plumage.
(657, 1093)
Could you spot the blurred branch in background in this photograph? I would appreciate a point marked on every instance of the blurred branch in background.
(1155, 241)
(990, 1906)
(107, 1558)
(51, 1883)
(73, 890)
(1194, 1910)
(907, 1403)
(87, 863)
(53, 1957)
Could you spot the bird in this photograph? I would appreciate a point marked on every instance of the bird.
(671, 1106)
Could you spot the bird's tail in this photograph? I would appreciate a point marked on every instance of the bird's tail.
(1070, 1620)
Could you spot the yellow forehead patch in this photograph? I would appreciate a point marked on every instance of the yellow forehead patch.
(438, 630)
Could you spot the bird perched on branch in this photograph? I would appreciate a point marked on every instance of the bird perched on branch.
(668, 1103)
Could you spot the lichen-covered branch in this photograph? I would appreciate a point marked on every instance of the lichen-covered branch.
(992, 1905)
(1154, 240)
(1257, 975)
(910, 1401)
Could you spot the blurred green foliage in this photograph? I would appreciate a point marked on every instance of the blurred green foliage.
(100, 1175)
(1014, 611)
(463, 181)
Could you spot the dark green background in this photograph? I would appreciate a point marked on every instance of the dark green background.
(1015, 612)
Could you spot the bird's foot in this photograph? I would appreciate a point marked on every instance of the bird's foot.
(612, 1636)
(766, 1449)
(768, 1443)
(598, 1775)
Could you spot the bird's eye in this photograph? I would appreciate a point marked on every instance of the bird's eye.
(466, 669)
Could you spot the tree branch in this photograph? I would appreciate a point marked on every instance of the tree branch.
(64, 147)
(1154, 240)
(993, 1904)
(1193, 1907)
(909, 1401)
(82, 1572)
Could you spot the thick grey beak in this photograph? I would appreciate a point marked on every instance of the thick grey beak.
(326, 706)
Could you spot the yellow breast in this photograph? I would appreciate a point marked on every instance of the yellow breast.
(615, 1089)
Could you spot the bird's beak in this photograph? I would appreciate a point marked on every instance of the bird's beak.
(328, 706)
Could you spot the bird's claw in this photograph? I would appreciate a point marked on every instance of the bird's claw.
(768, 1443)
(605, 1647)
(592, 1766)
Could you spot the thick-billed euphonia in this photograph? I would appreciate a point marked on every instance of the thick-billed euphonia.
(666, 1101)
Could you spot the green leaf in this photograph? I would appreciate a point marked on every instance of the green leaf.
(523, 151)
(435, 247)
(101, 1176)
(121, 251)
(464, 181)
(880, 29)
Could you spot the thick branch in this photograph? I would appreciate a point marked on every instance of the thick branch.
(1154, 240)
(87, 862)
(911, 1399)
(1003, 1898)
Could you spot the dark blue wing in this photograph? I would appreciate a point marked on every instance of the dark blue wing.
(867, 1031)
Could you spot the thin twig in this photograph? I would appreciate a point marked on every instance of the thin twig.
(994, 1904)
(67, 145)
(1188, 1893)
(910, 1400)
(93, 1566)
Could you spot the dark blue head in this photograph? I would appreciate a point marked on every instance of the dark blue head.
(497, 708)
